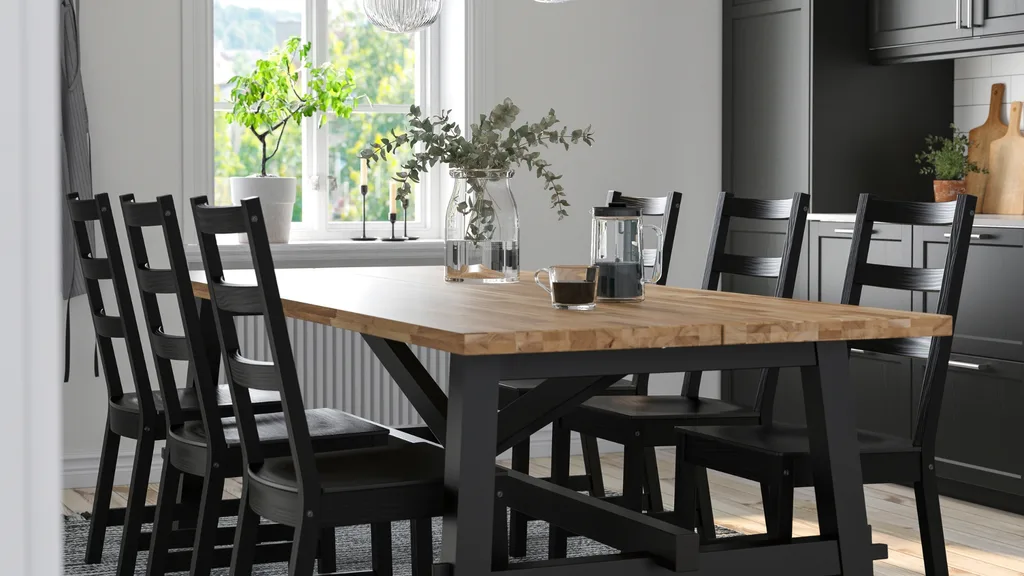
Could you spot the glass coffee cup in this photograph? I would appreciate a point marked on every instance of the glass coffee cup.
(570, 287)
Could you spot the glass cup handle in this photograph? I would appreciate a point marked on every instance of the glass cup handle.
(656, 275)
(536, 278)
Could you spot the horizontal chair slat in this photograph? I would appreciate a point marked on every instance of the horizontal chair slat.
(238, 299)
(220, 220)
(96, 268)
(912, 347)
(757, 209)
(169, 346)
(254, 374)
(916, 213)
(748, 265)
(900, 278)
(83, 210)
(108, 326)
(156, 281)
(647, 206)
(142, 214)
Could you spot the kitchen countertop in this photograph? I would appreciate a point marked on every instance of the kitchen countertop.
(981, 220)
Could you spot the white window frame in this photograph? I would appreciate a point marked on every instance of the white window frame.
(199, 109)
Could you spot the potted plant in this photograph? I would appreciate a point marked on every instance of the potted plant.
(946, 160)
(266, 101)
(482, 221)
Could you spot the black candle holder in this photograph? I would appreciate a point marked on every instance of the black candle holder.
(393, 218)
(405, 220)
(364, 190)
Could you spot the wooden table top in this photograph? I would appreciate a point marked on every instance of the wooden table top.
(416, 306)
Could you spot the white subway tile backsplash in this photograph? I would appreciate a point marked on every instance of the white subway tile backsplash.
(978, 67)
(1008, 64)
(967, 118)
(1016, 89)
(983, 88)
(963, 92)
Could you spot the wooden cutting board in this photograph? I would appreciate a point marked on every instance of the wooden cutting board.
(1005, 192)
(981, 141)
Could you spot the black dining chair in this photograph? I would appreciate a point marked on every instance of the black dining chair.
(778, 456)
(642, 422)
(209, 448)
(306, 489)
(592, 481)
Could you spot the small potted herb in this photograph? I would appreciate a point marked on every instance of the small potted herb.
(265, 102)
(946, 160)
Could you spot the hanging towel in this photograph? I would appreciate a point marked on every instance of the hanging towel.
(77, 161)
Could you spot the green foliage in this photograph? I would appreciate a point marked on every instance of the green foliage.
(494, 144)
(271, 96)
(946, 158)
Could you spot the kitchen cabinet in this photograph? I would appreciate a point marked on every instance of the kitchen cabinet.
(994, 17)
(900, 22)
(909, 30)
(980, 428)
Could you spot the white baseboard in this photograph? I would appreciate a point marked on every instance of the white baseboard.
(80, 470)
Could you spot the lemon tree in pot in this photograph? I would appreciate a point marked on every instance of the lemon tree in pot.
(284, 87)
(946, 160)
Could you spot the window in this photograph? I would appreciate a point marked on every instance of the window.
(392, 72)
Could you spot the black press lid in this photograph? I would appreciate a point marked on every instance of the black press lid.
(616, 210)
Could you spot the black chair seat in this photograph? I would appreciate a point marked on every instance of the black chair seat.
(619, 418)
(622, 387)
(324, 424)
(781, 440)
(262, 402)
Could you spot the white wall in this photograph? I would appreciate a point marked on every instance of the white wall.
(131, 67)
(647, 75)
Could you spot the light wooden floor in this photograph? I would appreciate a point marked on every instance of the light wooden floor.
(979, 540)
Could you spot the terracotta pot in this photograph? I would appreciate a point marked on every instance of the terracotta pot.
(947, 190)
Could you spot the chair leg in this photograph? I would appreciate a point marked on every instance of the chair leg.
(558, 539)
(101, 501)
(206, 523)
(307, 535)
(705, 512)
(778, 508)
(499, 542)
(136, 505)
(592, 464)
(929, 517)
(380, 542)
(163, 524)
(652, 482)
(244, 552)
(633, 474)
(327, 558)
(685, 501)
(421, 532)
(517, 521)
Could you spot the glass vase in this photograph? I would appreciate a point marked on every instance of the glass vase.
(481, 239)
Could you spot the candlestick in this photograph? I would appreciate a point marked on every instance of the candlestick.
(394, 196)
(405, 220)
(364, 173)
(393, 218)
(364, 190)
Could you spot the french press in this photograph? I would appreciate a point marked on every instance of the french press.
(617, 250)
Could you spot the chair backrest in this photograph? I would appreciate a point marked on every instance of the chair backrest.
(263, 298)
(192, 347)
(666, 207)
(783, 268)
(947, 281)
(107, 327)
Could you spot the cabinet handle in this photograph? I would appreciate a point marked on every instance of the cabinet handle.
(848, 231)
(959, 10)
(966, 365)
(973, 236)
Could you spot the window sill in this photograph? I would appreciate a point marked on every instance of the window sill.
(330, 254)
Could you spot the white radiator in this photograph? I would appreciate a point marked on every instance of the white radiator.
(337, 370)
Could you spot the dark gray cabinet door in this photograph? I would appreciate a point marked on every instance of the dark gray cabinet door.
(900, 22)
(993, 17)
(830, 252)
(991, 318)
(980, 428)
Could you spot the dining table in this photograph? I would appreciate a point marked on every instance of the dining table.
(502, 332)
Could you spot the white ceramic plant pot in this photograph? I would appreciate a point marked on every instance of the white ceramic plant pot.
(277, 197)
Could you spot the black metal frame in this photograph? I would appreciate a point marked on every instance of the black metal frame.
(592, 481)
(781, 466)
(640, 435)
(132, 415)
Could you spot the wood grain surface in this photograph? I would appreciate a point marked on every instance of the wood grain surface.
(981, 141)
(416, 306)
(1005, 192)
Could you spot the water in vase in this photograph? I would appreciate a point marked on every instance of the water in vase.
(482, 262)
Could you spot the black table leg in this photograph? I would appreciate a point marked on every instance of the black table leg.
(469, 469)
(838, 481)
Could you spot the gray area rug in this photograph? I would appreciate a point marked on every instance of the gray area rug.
(353, 548)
